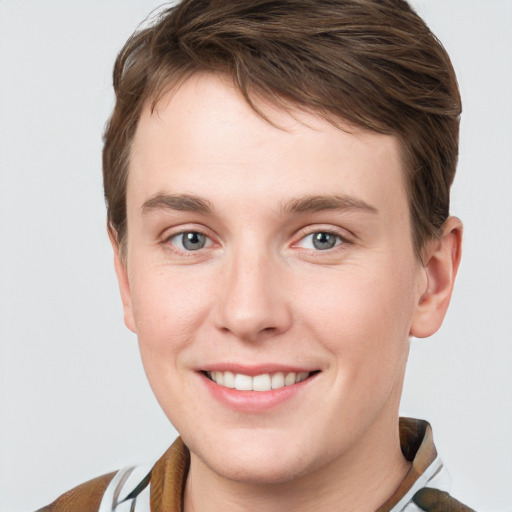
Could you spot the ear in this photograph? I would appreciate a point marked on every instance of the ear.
(122, 279)
(440, 268)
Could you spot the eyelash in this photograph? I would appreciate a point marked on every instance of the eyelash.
(340, 240)
(183, 251)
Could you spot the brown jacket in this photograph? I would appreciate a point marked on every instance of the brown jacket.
(84, 498)
(168, 478)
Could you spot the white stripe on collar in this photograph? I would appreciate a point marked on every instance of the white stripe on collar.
(435, 476)
(125, 482)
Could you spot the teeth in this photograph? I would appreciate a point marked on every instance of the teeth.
(278, 380)
(302, 376)
(263, 382)
(228, 379)
(290, 379)
(243, 382)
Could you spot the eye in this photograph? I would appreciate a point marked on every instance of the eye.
(190, 241)
(320, 241)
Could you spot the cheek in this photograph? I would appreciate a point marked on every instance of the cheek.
(363, 319)
(168, 308)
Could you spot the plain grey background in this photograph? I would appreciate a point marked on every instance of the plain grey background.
(74, 402)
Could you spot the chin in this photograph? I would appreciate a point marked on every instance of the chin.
(259, 472)
(261, 461)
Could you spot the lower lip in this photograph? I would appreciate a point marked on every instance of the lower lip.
(254, 401)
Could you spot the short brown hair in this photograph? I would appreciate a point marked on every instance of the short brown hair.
(373, 63)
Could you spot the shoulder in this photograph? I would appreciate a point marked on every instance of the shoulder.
(85, 497)
(131, 486)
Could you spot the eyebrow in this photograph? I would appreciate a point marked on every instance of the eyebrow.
(307, 204)
(313, 204)
(180, 202)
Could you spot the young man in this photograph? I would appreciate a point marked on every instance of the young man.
(277, 176)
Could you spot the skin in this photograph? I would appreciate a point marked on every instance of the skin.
(259, 292)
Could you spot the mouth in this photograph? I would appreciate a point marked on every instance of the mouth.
(263, 382)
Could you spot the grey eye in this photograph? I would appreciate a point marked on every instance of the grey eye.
(323, 241)
(193, 241)
(189, 241)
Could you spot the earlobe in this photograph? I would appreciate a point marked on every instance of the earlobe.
(122, 279)
(440, 267)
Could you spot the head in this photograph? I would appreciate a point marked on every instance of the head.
(277, 178)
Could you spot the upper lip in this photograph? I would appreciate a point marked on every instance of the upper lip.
(257, 369)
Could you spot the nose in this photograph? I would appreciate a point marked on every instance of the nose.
(253, 303)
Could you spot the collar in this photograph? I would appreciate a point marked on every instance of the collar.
(168, 476)
(417, 444)
(168, 479)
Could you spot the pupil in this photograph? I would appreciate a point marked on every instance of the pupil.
(193, 241)
(323, 241)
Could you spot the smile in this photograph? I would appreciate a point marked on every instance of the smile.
(263, 382)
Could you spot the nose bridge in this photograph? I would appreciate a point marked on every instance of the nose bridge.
(252, 300)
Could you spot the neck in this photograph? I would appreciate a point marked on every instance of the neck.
(360, 480)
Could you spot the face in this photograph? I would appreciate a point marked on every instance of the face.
(270, 278)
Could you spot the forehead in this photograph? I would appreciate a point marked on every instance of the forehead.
(205, 136)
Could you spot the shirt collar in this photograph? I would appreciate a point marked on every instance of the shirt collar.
(417, 444)
(169, 474)
(168, 479)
